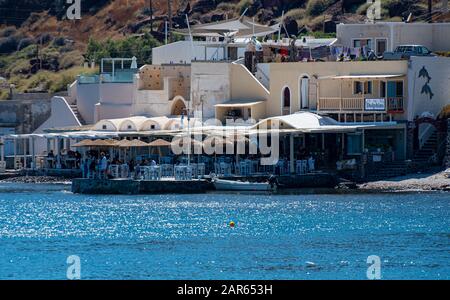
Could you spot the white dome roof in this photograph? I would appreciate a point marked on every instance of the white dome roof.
(303, 120)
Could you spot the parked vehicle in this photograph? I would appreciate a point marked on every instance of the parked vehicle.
(406, 51)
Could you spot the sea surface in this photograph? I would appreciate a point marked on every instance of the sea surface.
(291, 236)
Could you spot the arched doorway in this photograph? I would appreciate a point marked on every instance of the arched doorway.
(304, 92)
(286, 101)
(423, 141)
(178, 107)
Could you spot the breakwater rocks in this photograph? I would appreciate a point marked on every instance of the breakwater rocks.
(36, 179)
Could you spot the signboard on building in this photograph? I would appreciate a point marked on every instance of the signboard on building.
(375, 104)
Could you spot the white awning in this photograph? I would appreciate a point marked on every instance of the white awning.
(239, 103)
(364, 76)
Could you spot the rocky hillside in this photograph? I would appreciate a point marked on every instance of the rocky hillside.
(40, 49)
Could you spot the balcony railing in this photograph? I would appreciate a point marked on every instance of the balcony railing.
(358, 104)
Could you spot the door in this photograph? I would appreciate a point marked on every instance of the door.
(304, 93)
(381, 47)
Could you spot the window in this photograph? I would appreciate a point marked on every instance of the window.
(425, 51)
(395, 89)
(381, 47)
(383, 89)
(399, 88)
(104, 127)
(354, 144)
(360, 87)
(152, 127)
(360, 43)
(286, 98)
(129, 127)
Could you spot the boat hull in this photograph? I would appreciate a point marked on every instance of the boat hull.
(229, 185)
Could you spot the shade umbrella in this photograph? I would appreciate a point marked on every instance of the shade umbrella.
(96, 143)
(159, 143)
(83, 143)
(131, 144)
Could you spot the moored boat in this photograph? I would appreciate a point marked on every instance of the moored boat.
(231, 185)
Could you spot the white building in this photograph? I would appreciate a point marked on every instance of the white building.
(386, 36)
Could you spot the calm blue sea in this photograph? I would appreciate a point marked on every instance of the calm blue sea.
(188, 237)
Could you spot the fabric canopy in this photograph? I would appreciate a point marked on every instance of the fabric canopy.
(132, 143)
(96, 143)
(238, 27)
(160, 143)
(239, 103)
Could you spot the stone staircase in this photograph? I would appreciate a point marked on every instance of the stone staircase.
(421, 161)
(74, 108)
(422, 156)
(387, 170)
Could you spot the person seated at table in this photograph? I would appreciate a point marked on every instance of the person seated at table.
(153, 163)
(51, 154)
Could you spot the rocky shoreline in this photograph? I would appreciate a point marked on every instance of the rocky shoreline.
(37, 179)
(436, 181)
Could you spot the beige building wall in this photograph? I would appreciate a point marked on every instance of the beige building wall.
(438, 70)
(288, 75)
(211, 85)
(434, 36)
(217, 83)
(244, 86)
(157, 89)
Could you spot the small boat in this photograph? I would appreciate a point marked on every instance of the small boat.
(231, 185)
(447, 173)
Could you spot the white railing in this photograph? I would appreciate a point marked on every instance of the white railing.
(357, 104)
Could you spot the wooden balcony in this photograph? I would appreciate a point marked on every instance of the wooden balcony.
(358, 105)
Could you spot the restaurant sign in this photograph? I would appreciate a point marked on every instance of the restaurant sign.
(375, 104)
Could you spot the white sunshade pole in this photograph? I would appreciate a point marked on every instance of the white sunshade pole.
(192, 38)
(281, 24)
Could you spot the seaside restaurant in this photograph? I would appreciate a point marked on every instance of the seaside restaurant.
(307, 142)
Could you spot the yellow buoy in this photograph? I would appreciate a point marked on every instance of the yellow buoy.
(232, 224)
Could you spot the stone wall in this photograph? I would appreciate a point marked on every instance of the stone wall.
(410, 139)
(26, 115)
(447, 150)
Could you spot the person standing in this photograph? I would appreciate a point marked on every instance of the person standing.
(103, 166)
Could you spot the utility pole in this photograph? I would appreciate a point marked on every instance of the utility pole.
(430, 11)
(40, 59)
(150, 6)
(169, 7)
